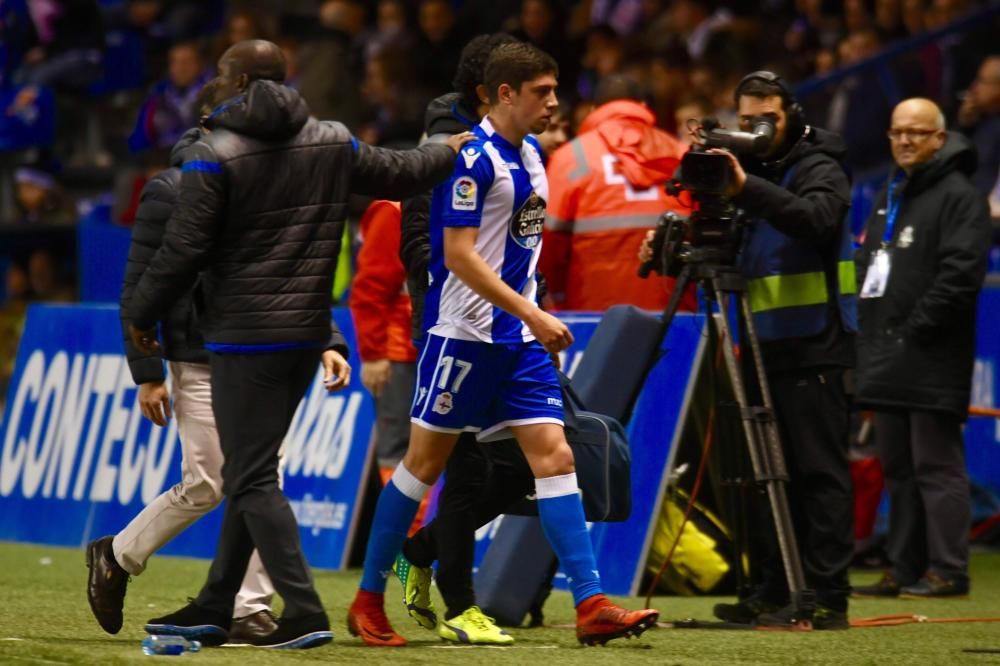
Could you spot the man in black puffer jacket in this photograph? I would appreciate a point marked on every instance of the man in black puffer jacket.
(260, 214)
(923, 260)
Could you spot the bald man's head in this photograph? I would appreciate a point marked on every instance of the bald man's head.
(917, 132)
(248, 61)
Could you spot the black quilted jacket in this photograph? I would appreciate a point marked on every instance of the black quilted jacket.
(260, 213)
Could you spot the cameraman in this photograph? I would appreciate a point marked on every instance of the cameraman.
(796, 256)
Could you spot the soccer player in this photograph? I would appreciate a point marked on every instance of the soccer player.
(485, 363)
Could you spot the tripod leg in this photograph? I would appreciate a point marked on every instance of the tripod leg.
(764, 445)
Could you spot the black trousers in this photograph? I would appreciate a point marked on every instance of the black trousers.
(923, 459)
(254, 397)
(813, 412)
(481, 481)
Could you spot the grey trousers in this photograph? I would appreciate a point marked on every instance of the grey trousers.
(392, 414)
(923, 459)
(199, 491)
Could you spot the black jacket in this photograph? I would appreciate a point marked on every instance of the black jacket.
(182, 340)
(917, 343)
(261, 211)
(812, 207)
(446, 116)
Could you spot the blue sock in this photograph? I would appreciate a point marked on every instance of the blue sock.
(394, 513)
(564, 524)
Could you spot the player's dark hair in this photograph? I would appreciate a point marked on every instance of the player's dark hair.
(514, 64)
(472, 65)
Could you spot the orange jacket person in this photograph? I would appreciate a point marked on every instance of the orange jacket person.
(605, 192)
(381, 311)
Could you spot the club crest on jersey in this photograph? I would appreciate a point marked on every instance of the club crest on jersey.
(526, 224)
(463, 194)
(442, 405)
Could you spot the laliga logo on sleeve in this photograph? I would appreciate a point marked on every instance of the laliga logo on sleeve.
(526, 225)
(463, 194)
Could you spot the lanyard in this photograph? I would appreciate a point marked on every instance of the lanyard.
(892, 210)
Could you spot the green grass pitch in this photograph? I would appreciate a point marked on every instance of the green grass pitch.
(44, 619)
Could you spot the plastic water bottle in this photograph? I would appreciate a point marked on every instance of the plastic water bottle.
(168, 645)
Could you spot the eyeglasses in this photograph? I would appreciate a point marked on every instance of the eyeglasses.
(915, 134)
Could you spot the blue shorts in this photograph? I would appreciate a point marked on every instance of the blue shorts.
(484, 387)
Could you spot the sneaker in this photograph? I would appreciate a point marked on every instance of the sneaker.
(366, 619)
(887, 586)
(933, 585)
(475, 628)
(244, 630)
(298, 633)
(193, 622)
(107, 583)
(821, 618)
(599, 621)
(745, 611)
(416, 583)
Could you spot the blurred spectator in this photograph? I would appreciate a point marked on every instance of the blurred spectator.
(65, 44)
(857, 15)
(241, 26)
(290, 49)
(169, 20)
(603, 53)
(438, 45)
(889, 19)
(692, 108)
(556, 134)
(979, 118)
(40, 199)
(397, 98)
(46, 281)
(812, 30)
(169, 111)
(669, 79)
(962, 52)
(542, 23)
(695, 21)
(623, 16)
(329, 74)
(860, 108)
(391, 27)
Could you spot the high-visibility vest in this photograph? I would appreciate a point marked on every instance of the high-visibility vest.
(790, 282)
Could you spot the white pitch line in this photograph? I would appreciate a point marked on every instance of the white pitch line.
(11, 639)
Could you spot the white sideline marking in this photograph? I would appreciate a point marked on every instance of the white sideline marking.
(11, 639)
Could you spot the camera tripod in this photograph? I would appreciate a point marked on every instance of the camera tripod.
(721, 284)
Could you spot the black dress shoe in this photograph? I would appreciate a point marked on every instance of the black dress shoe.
(249, 627)
(298, 633)
(193, 622)
(745, 611)
(933, 586)
(106, 585)
(887, 586)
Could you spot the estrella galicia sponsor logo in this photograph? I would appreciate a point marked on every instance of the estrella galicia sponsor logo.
(527, 223)
(463, 194)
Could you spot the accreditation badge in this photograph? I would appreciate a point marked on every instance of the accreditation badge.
(878, 274)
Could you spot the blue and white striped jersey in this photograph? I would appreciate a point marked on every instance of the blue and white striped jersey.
(501, 189)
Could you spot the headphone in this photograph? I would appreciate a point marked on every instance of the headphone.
(793, 110)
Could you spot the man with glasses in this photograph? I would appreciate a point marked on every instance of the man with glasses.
(923, 263)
